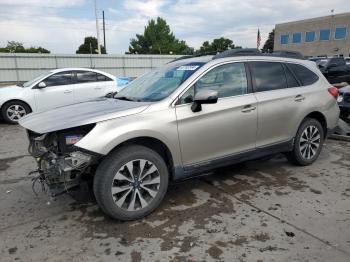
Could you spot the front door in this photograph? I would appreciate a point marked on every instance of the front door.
(59, 91)
(222, 129)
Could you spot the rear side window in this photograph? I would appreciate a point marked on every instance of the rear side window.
(101, 77)
(291, 80)
(268, 76)
(86, 77)
(89, 77)
(304, 75)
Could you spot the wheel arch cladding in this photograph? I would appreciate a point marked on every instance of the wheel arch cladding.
(320, 118)
(155, 144)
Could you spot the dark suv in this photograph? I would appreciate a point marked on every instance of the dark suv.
(335, 69)
(344, 101)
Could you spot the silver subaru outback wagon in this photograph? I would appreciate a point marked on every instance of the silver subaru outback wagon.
(190, 116)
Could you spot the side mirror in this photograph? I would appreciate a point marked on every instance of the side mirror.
(204, 97)
(41, 85)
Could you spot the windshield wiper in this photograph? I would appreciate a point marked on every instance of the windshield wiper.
(123, 98)
(19, 84)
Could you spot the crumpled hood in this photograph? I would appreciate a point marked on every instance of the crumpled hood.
(81, 114)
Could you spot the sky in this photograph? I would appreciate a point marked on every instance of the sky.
(61, 25)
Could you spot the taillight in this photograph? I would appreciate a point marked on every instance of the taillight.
(333, 91)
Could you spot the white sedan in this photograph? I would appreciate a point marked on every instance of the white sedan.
(56, 88)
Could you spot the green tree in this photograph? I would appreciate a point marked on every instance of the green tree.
(38, 49)
(158, 39)
(17, 47)
(269, 44)
(90, 46)
(14, 47)
(218, 45)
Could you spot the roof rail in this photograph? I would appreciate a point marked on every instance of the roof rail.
(288, 54)
(246, 52)
(239, 52)
(191, 56)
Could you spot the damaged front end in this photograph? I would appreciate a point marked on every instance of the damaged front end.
(61, 165)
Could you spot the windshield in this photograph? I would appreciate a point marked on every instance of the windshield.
(158, 84)
(30, 82)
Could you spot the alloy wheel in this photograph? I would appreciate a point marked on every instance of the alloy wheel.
(15, 112)
(135, 185)
(310, 141)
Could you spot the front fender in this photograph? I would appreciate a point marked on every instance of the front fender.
(107, 135)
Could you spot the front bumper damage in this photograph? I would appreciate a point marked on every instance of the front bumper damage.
(61, 167)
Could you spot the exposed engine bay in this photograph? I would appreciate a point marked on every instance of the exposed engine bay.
(61, 165)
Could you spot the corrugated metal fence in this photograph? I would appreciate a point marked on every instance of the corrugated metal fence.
(23, 67)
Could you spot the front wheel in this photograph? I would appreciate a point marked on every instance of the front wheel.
(13, 111)
(308, 143)
(131, 182)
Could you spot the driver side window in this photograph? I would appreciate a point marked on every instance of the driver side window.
(228, 80)
(59, 79)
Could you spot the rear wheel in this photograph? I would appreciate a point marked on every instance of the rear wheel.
(131, 182)
(308, 143)
(14, 111)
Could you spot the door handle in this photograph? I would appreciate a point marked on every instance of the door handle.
(299, 98)
(248, 108)
(98, 88)
(67, 91)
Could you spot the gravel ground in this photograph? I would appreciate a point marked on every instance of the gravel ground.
(263, 210)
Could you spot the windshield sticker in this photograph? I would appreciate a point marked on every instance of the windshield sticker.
(187, 68)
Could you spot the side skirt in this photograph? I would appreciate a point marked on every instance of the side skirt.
(195, 169)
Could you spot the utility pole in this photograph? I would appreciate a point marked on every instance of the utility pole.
(97, 30)
(104, 31)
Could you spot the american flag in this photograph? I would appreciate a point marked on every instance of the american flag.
(258, 39)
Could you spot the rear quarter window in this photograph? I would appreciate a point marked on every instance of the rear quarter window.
(305, 76)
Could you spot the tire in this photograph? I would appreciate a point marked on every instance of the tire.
(115, 169)
(301, 154)
(19, 109)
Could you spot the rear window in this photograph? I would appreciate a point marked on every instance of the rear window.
(337, 60)
(268, 76)
(304, 75)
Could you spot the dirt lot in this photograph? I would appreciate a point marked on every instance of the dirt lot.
(257, 211)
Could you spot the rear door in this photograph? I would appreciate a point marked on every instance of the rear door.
(59, 91)
(279, 99)
(222, 129)
(88, 85)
